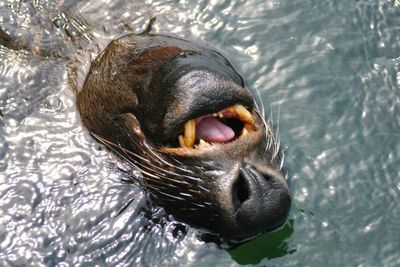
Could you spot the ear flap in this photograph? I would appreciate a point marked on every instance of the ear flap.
(132, 123)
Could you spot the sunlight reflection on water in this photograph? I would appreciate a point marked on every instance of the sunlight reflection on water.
(330, 71)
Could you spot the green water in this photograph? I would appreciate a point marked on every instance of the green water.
(328, 73)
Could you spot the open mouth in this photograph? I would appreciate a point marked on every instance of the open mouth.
(220, 127)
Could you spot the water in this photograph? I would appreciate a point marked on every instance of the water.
(328, 73)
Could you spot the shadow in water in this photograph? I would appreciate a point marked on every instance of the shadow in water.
(269, 245)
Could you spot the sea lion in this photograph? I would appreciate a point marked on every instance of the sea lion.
(180, 112)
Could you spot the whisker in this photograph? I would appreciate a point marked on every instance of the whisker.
(259, 102)
(157, 177)
(198, 205)
(122, 148)
(161, 185)
(203, 188)
(155, 155)
(129, 160)
(276, 151)
(164, 176)
(271, 118)
(171, 196)
(270, 141)
(262, 115)
(141, 166)
(193, 191)
(160, 170)
(185, 194)
(277, 123)
(136, 163)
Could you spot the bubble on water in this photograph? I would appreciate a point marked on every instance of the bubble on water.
(53, 103)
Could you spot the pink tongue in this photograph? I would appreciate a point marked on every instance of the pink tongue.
(213, 131)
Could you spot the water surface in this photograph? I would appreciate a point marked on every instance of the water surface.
(328, 73)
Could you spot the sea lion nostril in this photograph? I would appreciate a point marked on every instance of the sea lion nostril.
(240, 191)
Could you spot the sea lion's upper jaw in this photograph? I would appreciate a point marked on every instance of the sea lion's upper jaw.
(199, 93)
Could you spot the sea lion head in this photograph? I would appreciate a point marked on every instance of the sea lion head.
(180, 113)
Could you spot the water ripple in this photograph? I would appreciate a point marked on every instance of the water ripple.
(327, 72)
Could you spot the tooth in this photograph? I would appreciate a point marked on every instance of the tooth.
(244, 131)
(220, 115)
(203, 143)
(189, 134)
(244, 115)
(215, 115)
(181, 141)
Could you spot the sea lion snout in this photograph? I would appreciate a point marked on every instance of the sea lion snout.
(262, 202)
